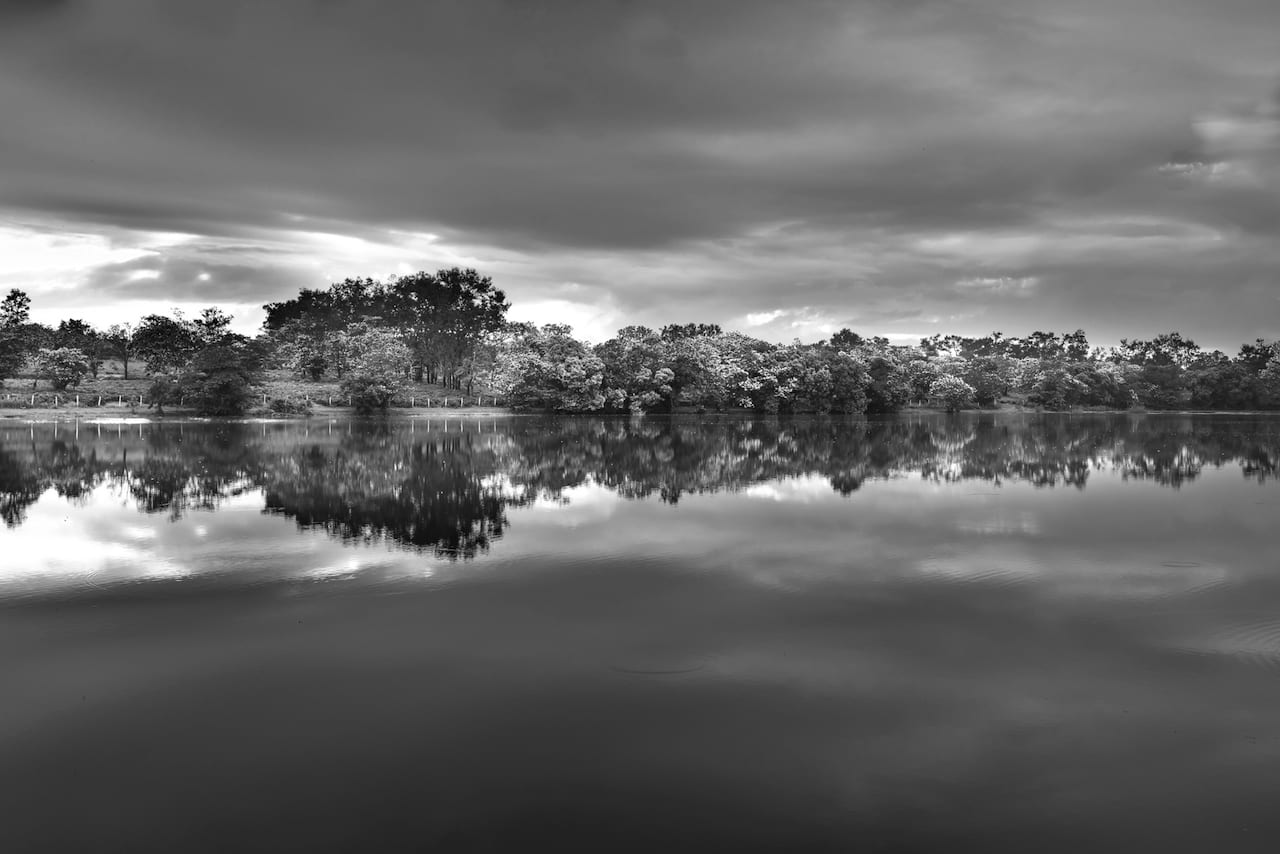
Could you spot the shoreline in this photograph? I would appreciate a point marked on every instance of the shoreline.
(115, 414)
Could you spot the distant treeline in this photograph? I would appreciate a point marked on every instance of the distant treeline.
(450, 328)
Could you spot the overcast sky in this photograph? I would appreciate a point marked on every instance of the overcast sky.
(900, 167)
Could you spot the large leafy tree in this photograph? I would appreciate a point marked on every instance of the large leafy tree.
(167, 344)
(310, 330)
(218, 380)
(443, 315)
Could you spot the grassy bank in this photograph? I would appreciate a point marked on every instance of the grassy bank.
(112, 395)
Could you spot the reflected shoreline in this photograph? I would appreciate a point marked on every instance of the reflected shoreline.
(444, 485)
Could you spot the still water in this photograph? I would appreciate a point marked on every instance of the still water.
(985, 632)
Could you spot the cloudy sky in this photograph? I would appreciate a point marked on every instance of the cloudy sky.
(900, 167)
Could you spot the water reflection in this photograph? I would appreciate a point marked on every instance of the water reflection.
(446, 486)
(916, 634)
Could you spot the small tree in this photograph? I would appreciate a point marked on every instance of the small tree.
(15, 310)
(951, 393)
(380, 361)
(62, 367)
(119, 343)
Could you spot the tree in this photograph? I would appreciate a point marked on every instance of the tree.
(218, 380)
(379, 362)
(15, 310)
(1075, 346)
(548, 368)
(78, 335)
(951, 393)
(676, 332)
(442, 316)
(890, 386)
(987, 378)
(846, 339)
(1055, 388)
(1169, 348)
(213, 326)
(62, 367)
(1269, 383)
(14, 313)
(119, 341)
(167, 344)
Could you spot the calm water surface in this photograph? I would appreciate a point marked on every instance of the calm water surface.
(1013, 632)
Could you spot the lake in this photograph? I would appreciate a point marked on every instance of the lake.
(920, 633)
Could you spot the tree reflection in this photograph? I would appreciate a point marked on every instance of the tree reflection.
(447, 492)
(435, 494)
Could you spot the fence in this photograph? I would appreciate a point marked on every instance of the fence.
(57, 400)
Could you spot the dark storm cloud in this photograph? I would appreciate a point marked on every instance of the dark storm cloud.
(864, 162)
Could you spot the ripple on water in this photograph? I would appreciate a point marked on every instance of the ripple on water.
(1252, 641)
(984, 572)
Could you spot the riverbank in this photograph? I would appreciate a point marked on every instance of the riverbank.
(141, 414)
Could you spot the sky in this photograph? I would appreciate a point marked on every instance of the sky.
(897, 167)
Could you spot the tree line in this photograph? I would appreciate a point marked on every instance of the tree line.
(450, 328)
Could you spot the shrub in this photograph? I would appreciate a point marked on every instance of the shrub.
(289, 405)
(62, 367)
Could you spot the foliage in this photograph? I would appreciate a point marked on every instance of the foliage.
(1055, 388)
(62, 367)
(549, 369)
(15, 309)
(450, 327)
(78, 335)
(985, 375)
(288, 405)
(167, 344)
(378, 372)
(118, 341)
(219, 379)
(951, 393)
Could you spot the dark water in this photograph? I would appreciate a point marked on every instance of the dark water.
(983, 633)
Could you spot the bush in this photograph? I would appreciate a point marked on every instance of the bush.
(288, 405)
(62, 367)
